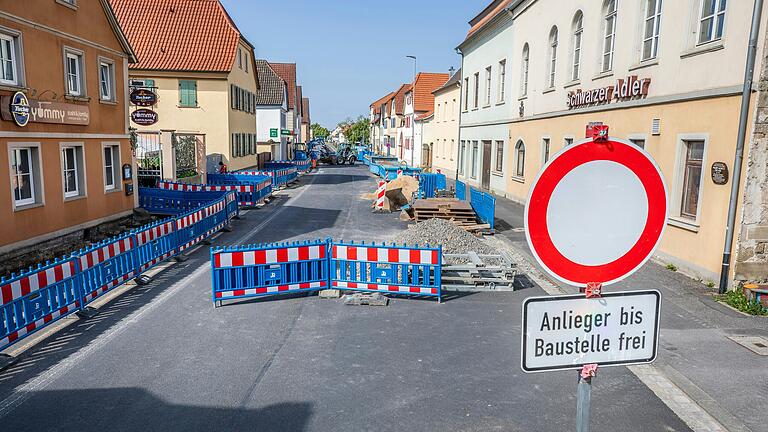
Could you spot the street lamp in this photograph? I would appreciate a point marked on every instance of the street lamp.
(413, 114)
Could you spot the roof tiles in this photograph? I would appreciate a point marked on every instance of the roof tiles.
(426, 83)
(287, 71)
(271, 86)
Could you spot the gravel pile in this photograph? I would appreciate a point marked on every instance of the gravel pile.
(442, 232)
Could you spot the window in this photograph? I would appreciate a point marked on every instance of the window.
(524, 73)
(106, 80)
(568, 141)
(188, 93)
(240, 58)
(111, 167)
(694, 157)
(450, 153)
(578, 31)
(520, 159)
(609, 40)
(545, 146)
(462, 152)
(453, 110)
(245, 62)
(488, 85)
(499, 156)
(23, 176)
(712, 20)
(651, 29)
(466, 94)
(9, 68)
(473, 167)
(552, 57)
(638, 142)
(74, 73)
(502, 80)
(72, 171)
(477, 90)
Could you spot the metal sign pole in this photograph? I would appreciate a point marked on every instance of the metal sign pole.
(583, 401)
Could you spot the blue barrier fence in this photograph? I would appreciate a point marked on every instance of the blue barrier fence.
(461, 190)
(250, 192)
(430, 183)
(43, 295)
(302, 165)
(280, 176)
(173, 202)
(484, 205)
(259, 270)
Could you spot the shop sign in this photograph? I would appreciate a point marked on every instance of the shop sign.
(15, 108)
(625, 89)
(144, 117)
(143, 97)
(719, 173)
(285, 132)
(273, 133)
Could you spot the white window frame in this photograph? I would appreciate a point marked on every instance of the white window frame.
(525, 68)
(566, 140)
(114, 149)
(653, 37)
(111, 88)
(502, 80)
(518, 175)
(552, 67)
(36, 175)
(79, 57)
(676, 218)
(476, 95)
(15, 40)
(488, 72)
(466, 94)
(474, 155)
(610, 19)
(638, 137)
(546, 149)
(717, 15)
(578, 40)
(496, 162)
(79, 170)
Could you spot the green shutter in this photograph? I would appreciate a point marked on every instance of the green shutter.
(187, 93)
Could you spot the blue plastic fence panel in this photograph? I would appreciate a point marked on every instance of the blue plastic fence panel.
(155, 243)
(195, 226)
(260, 270)
(484, 205)
(36, 298)
(429, 183)
(249, 193)
(461, 190)
(107, 265)
(174, 202)
(391, 269)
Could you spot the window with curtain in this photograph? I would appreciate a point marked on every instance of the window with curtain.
(8, 66)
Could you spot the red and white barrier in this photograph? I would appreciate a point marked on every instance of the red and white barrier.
(271, 289)
(153, 233)
(271, 256)
(387, 288)
(384, 255)
(380, 192)
(34, 282)
(107, 252)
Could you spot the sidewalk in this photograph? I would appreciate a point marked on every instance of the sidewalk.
(724, 378)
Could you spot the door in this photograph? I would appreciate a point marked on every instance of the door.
(486, 174)
(149, 158)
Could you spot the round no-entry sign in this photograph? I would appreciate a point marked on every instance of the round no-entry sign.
(596, 212)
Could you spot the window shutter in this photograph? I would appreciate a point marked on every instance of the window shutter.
(232, 95)
(194, 93)
(181, 93)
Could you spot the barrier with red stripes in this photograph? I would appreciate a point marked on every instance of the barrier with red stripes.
(281, 174)
(250, 191)
(154, 244)
(382, 268)
(261, 270)
(36, 298)
(106, 265)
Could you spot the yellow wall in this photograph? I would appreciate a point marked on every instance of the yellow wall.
(443, 129)
(241, 121)
(698, 253)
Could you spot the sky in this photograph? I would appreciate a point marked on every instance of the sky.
(350, 53)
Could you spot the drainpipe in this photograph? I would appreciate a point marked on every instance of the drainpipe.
(462, 90)
(749, 73)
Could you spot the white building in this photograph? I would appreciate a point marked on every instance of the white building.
(271, 111)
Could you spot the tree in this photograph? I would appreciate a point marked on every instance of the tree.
(319, 131)
(357, 131)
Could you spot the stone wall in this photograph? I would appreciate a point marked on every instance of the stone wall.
(752, 248)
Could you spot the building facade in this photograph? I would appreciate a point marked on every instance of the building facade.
(639, 67)
(306, 121)
(271, 110)
(66, 157)
(443, 129)
(419, 100)
(287, 71)
(203, 72)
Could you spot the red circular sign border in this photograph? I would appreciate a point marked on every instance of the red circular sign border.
(615, 150)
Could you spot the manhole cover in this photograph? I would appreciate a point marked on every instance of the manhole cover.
(756, 344)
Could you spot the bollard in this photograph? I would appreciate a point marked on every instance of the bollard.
(380, 192)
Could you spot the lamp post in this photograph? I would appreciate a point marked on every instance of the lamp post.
(413, 114)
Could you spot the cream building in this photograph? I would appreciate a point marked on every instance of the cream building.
(205, 84)
(666, 76)
(443, 128)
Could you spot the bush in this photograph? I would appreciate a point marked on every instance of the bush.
(737, 300)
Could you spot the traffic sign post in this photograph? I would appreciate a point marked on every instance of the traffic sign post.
(595, 214)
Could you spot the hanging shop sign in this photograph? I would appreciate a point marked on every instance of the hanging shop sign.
(625, 89)
(143, 97)
(20, 110)
(144, 117)
(273, 133)
(286, 132)
(719, 173)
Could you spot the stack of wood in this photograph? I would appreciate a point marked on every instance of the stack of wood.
(458, 212)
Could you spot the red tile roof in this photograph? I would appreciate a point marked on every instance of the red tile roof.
(426, 83)
(179, 35)
(377, 105)
(399, 98)
(287, 71)
(489, 13)
(299, 97)
(426, 115)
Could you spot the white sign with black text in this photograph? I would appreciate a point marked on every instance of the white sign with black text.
(568, 332)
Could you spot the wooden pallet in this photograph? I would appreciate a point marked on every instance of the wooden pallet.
(460, 212)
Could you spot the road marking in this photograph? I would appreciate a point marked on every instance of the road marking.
(24, 391)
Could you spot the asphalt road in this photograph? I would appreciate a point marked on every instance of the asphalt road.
(161, 358)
